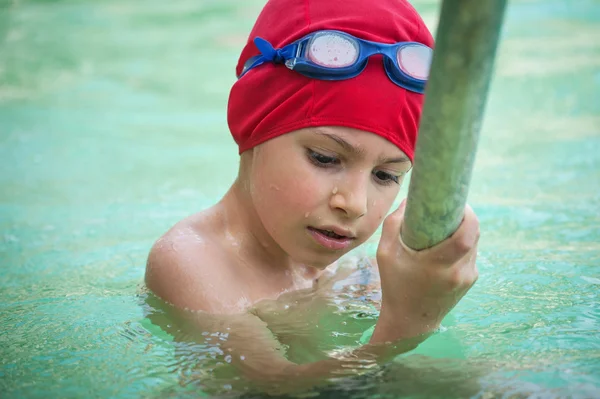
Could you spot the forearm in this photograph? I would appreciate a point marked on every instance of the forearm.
(284, 377)
(405, 329)
(292, 376)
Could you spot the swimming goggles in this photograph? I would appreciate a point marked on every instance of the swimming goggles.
(335, 55)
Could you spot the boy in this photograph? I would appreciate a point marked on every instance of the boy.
(325, 142)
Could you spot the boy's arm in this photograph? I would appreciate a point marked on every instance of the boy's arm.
(419, 289)
(252, 349)
(195, 309)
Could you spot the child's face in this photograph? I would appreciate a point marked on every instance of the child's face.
(328, 178)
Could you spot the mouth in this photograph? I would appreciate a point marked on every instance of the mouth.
(332, 238)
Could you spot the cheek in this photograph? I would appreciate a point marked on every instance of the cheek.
(379, 208)
(296, 196)
(384, 200)
(290, 190)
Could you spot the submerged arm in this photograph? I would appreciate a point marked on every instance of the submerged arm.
(418, 290)
(246, 342)
(244, 338)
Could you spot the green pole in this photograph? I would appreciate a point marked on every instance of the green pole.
(466, 42)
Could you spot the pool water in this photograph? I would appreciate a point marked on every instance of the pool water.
(112, 128)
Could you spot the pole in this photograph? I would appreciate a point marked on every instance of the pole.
(466, 42)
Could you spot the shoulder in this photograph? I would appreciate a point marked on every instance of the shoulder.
(188, 267)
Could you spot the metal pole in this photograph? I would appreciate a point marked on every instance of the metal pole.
(455, 97)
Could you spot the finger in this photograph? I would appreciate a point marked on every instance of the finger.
(460, 243)
(472, 221)
(467, 234)
(463, 275)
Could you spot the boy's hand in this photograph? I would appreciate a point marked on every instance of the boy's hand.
(420, 287)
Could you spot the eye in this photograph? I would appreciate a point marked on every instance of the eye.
(385, 178)
(321, 160)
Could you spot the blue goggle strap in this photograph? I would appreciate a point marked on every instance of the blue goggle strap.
(269, 54)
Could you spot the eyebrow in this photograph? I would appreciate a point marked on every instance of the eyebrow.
(343, 143)
(401, 159)
(359, 151)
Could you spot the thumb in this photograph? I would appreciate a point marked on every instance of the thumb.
(391, 226)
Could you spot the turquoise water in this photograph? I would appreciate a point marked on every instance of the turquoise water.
(112, 127)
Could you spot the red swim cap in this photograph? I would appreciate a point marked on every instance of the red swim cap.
(272, 100)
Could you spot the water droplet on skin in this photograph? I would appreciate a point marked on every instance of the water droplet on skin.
(335, 190)
(274, 187)
(307, 214)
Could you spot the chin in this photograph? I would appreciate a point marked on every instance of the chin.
(322, 262)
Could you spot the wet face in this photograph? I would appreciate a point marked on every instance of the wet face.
(320, 192)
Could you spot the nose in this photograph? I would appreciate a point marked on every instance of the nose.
(350, 197)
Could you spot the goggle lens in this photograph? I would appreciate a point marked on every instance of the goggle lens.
(415, 60)
(332, 51)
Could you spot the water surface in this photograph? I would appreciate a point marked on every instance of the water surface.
(112, 128)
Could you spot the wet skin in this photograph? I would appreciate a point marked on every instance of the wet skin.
(300, 202)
